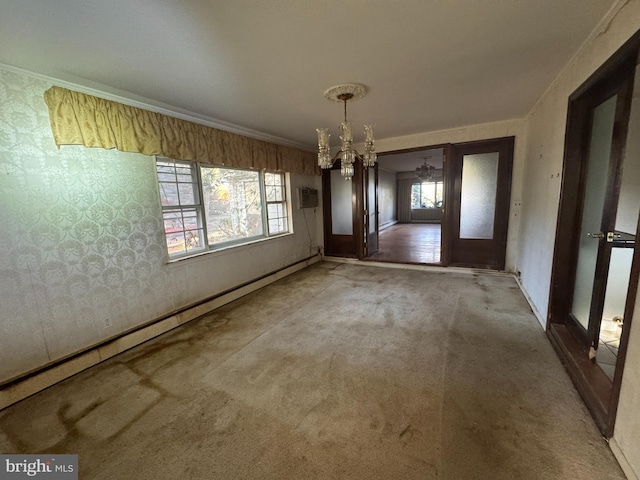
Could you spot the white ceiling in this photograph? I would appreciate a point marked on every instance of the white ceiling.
(264, 64)
(410, 160)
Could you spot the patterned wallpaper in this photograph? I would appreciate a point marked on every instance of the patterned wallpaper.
(82, 254)
(81, 242)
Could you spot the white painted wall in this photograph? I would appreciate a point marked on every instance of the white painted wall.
(82, 240)
(543, 158)
(470, 133)
(387, 197)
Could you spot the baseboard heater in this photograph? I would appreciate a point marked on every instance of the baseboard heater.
(33, 382)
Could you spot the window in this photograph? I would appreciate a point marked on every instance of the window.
(208, 207)
(181, 207)
(426, 195)
(277, 211)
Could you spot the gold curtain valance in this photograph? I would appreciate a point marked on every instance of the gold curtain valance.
(81, 119)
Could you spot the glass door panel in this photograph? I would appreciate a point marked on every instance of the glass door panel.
(622, 244)
(595, 191)
(341, 205)
(478, 196)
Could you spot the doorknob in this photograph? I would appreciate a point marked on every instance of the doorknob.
(611, 236)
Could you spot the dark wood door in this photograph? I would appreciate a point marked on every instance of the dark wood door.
(343, 208)
(595, 142)
(371, 210)
(478, 202)
(596, 265)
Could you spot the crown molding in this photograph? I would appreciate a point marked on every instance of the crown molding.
(159, 107)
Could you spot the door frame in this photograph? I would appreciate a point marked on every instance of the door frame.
(480, 253)
(354, 245)
(338, 245)
(371, 237)
(446, 186)
(568, 337)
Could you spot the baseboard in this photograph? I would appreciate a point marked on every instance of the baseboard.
(416, 266)
(622, 460)
(542, 320)
(387, 225)
(22, 388)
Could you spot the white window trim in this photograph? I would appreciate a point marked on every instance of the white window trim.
(232, 244)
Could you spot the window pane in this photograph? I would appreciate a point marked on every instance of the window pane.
(274, 187)
(177, 183)
(277, 215)
(275, 210)
(175, 243)
(166, 177)
(169, 194)
(194, 240)
(278, 225)
(273, 179)
(165, 167)
(232, 204)
(183, 231)
(428, 195)
(415, 195)
(275, 194)
(274, 225)
(187, 196)
(190, 221)
(172, 222)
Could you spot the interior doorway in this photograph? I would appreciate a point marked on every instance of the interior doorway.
(411, 206)
(452, 204)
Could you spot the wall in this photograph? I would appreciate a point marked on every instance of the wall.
(470, 133)
(545, 130)
(387, 201)
(83, 256)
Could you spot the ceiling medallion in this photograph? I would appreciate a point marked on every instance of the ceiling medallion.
(348, 91)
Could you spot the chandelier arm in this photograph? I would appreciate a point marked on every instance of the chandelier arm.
(358, 156)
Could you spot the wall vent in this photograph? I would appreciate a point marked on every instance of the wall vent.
(307, 197)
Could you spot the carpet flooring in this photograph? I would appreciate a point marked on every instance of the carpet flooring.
(336, 372)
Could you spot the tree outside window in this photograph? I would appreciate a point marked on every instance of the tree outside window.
(426, 195)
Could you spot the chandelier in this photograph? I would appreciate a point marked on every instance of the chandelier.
(347, 154)
(425, 172)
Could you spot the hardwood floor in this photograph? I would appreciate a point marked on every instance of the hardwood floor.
(409, 243)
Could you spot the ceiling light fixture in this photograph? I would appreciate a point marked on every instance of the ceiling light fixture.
(347, 154)
(425, 172)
